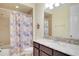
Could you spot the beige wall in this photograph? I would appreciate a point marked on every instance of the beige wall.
(60, 21)
(48, 17)
(50, 25)
(4, 28)
(39, 18)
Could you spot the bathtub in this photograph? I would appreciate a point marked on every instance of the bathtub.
(4, 51)
(27, 52)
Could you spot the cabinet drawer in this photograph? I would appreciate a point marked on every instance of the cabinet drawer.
(43, 54)
(46, 50)
(35, 44)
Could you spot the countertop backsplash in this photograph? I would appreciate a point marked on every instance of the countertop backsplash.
(67, 40)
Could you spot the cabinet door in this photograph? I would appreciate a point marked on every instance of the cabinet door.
(35, 51)
(43, 54)
(46, 50)
(36, 44)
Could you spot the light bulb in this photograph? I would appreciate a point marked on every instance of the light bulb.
(46, 5)
(17, 6)
(57, 4)
(51, 7)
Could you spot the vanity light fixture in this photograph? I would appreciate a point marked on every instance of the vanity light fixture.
(49, 6)
(52, 5)
(57, 4)
(46, 5)
(17, 6)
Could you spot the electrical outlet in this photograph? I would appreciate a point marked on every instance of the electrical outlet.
(70, 35)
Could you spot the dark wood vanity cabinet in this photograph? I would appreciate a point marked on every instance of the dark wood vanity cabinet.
(45, 50)
(58, 53)
(41, 50)
(36, 49)
(36, 52)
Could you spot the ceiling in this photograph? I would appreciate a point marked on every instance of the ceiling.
(12, 6)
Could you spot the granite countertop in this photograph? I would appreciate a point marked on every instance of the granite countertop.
(70, 49)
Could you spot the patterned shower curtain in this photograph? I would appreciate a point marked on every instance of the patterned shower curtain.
(20, 31)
